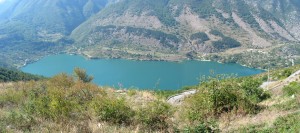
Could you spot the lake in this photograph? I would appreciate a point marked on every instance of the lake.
(121, 73)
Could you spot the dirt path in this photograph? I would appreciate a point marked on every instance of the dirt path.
(275, 87)
(177, 99)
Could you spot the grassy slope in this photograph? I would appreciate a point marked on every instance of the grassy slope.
(65, 103)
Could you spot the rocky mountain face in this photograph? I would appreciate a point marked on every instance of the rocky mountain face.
(34, 28)
(153, 29)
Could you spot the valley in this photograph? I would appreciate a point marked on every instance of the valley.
(150, 66)
(228, 31)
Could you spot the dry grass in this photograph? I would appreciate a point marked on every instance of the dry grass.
(267, 117)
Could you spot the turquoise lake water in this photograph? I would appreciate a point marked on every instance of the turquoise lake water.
(137, 74)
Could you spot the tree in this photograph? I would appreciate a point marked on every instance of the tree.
(82, 75)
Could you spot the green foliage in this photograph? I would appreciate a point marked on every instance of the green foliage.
(203, 8)
(7, 75)
(282, 74)
(82, 75)
(292, 89)
(252, 91)
(200, 36)
(20, 120)
(289, 123)
(155, 115)
(216, 33)
(113, 110)
(132, 92)
(225, 43)
(158, 8)
(202, 127)
(218, 96)
(244, 11)
(12, 97)
(167, 40)
(60, 99)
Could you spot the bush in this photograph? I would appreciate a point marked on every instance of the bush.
(217, 33)
(11, 97)
(226, 43)
(51, 105)
(132, 92)
(223, 96)
(20, 120)
(155, 115)
(202, 127)
(199, 36)
(252, 89)
(292, 89)
(61, 99)
(82, 75)
(288, 123)
(112, 110)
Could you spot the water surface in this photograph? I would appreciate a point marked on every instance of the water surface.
(140, 74)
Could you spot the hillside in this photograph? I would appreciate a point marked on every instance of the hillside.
(32, 29)
(236, 31)
(222, 103)
(255, 33)
(7, 75)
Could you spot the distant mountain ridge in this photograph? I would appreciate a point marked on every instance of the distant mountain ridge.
(151, 29)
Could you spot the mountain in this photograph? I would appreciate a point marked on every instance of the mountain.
(33, 28)
(175, 30)
(249, 32)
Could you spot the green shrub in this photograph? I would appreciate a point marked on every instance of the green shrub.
(132, 92)
(112, 110)
(81, 75)
(292, 89)
(223, 96)
(155, 115)
(199, 107)
(226, 43)
(2, 125)
(51, 106)
(201, 36)
(11, 97)
(252, 89)
(217, 33)
(20, 120)
(61, 99)
(202, 127)
(288, 123)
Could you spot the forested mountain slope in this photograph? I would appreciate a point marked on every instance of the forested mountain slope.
(222, 30)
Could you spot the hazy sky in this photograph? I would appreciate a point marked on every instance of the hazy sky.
(1, 1)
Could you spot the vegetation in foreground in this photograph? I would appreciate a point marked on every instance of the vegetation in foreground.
(66, 103)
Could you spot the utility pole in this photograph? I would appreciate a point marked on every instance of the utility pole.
(268, 78)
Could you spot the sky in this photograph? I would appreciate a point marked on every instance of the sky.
(1, 1)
